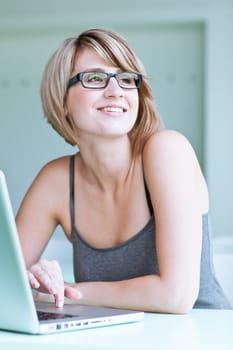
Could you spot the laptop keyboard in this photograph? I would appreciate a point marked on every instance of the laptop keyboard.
(44, 316)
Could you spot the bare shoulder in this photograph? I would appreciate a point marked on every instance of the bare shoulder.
(54, 171)
(51, 182)
(48, 193)
(59, 164)
(167, 142)
(170, 150)
(170, 163)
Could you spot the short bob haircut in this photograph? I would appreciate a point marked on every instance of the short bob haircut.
(114, 49)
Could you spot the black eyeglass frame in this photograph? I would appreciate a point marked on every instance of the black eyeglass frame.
(79, 78)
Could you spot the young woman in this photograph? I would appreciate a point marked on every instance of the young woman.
(132, 201)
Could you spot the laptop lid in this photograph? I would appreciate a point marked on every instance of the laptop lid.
(15, 294)
(18, 311)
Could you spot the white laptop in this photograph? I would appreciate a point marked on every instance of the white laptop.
(18, 311)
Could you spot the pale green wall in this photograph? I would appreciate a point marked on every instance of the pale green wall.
(26, 142)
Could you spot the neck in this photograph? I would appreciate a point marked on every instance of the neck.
(106, 164)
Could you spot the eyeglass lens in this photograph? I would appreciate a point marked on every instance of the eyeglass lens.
(127, 80)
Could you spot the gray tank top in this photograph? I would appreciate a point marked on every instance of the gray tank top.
(137, 257)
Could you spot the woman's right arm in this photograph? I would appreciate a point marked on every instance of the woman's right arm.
(45, 205)
(38, 214)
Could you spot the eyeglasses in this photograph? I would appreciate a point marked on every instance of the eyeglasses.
(99, 80)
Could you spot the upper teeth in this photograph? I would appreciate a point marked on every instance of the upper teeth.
(113, 109)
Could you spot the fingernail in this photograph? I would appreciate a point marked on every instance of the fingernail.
(60, 304)
(79, 294)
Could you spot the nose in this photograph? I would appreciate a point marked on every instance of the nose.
(113, 88)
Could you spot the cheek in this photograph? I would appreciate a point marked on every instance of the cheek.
(135, 104)
(77, 102)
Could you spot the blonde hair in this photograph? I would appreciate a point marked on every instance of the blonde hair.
(114, 49)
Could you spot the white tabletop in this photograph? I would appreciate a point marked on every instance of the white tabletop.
(201, 329)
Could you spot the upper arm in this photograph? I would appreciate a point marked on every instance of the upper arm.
(40, 211)
(172, 172)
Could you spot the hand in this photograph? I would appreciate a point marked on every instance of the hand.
(46, 277)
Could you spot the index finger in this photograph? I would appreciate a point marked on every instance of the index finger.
(56, 282)
(59, 298)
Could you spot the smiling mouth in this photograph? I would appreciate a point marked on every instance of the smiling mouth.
(114, 109)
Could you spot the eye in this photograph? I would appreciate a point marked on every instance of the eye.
(127, 78)
(92, 77)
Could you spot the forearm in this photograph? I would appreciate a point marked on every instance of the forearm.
(147, 293)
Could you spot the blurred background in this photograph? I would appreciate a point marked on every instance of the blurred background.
(187, 49)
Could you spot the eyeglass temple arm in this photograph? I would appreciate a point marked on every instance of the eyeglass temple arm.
(73, 81)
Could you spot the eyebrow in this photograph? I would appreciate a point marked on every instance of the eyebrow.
(98, 69)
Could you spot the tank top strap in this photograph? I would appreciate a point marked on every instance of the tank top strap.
(72, 190)
(147, 193)
(148, 199)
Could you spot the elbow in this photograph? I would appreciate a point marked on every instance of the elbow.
(180, 307)
(179, 300)
(177, 306)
